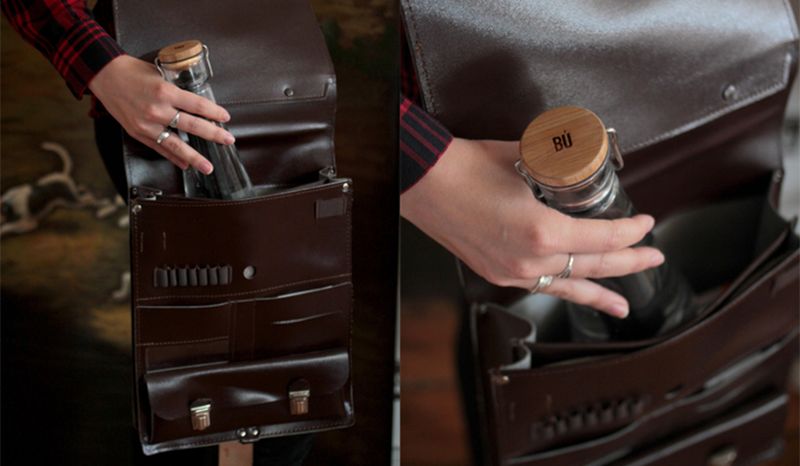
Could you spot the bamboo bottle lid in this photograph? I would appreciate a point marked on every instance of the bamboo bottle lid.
(564, 146)
(182, 55)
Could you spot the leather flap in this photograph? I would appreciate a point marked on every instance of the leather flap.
(243, 384)
(651, 70)
(264, 52)
(272, 72)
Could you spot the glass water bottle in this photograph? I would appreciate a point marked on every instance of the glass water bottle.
(186, 65)
(567, 161)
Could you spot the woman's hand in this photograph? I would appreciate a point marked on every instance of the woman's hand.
(475, 204)
(144, 104)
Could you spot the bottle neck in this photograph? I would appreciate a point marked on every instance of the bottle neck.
(191, 79)
(599, 196)
(190, 74)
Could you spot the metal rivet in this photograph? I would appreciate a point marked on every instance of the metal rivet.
(674, 392)
(254, 431)
(724, 457)
(729, 93)
(249, 272)
(289, 92)
(137, 208)
(241, 433)
(501, 379)
(345, 187)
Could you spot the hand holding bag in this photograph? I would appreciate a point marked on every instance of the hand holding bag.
(697, 94)
(242, 309)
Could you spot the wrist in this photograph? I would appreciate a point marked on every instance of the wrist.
(105, 75)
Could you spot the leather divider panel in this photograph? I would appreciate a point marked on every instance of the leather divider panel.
(619, 417)
(168, 325)
(741, 345)
(158, 357)
(295, 323)
(306, 321)
(730, 261)
(302, 322)
(751, 434)
(170, 336)
(252, 233)
(726, 338)
(244, 394)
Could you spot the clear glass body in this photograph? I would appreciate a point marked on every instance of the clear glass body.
(229, 180)
(660, 298)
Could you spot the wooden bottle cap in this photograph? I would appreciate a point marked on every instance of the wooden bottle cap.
(564, 146)
(182, 55)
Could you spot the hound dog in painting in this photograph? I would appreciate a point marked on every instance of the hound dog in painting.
(23, 206)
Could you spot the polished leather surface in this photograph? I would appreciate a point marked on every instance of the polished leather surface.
(501, 337)
(652, 373)
(277, 50)
(295, 323)
(658, 73)
(709, 238)
(753, 314)
(246, 393)
(298, 303)
(651, 70)
(278, 235)
(753, 431)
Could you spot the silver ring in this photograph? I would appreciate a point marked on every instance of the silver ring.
(174, 122)
(164, 135)
(544, 282)
(568, 270)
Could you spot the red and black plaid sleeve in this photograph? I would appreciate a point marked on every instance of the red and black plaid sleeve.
(422, 142)
(64, 31)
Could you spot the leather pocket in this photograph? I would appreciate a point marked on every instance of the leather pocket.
(248, 395)
(234, 301)
(749, 434)
(251, 329)
(538, 405)
(183, 335)
(301, 322)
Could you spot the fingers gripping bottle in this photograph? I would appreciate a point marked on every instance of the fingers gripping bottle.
(567, 161)
(186, 65)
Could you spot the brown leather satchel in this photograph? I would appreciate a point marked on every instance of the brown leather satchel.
(696, 91)
(242, 309)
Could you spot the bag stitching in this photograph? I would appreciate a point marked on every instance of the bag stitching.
(286, 285)
(164, 343)
(243, 202)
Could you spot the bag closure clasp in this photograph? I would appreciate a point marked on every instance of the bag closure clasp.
(299, 392)
(201, 414)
